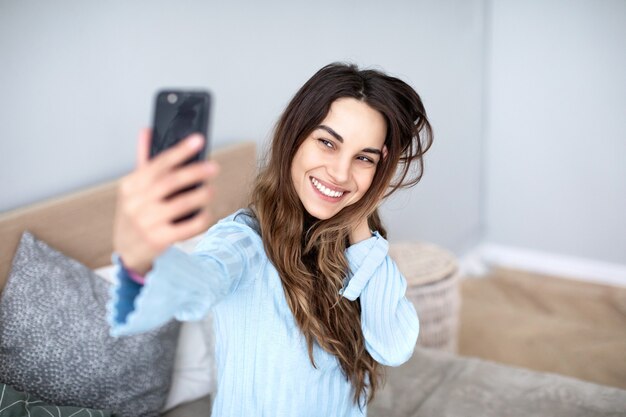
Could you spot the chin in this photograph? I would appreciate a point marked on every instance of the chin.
(320, 213)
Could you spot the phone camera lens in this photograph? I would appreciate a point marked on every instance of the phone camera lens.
(172, 98)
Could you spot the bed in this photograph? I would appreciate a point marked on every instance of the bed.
(432, 383)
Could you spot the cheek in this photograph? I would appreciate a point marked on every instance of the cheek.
(364, 182)
(297, 166)
(301, 161)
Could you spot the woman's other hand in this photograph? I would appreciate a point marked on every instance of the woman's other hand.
(360, 231)
(144, 217)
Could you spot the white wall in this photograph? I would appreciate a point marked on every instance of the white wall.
(77, 80)
(556, 131)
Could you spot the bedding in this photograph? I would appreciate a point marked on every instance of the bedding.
(55, 343)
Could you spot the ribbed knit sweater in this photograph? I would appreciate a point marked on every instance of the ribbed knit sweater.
(263, 367)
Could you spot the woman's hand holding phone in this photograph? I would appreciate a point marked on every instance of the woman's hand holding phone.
(148, 205)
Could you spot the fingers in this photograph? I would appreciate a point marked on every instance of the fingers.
(176, 232)
(143, 147)
(154, 229)
(148, 206)
(176, 155)
(187, 202)
(185, 177)
(192, 227)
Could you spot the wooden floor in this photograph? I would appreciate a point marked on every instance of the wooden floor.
(545, 323)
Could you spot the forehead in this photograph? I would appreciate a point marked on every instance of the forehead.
(357, 123)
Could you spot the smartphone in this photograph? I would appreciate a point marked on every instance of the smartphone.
(178, 114)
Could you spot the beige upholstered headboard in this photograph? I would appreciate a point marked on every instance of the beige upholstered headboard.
(80, 224)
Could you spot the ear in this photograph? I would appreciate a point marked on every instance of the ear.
(385, 151)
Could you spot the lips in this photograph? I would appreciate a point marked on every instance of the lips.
(326, 190)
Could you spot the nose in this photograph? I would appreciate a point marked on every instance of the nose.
(339, 170)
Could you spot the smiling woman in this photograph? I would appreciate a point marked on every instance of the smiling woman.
(306, 301)
(337, 148)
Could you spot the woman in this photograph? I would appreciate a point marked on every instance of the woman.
(306, 303)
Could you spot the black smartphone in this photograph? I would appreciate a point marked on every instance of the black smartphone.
(178, 114)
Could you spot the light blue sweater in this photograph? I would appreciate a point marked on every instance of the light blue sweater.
(263, 366)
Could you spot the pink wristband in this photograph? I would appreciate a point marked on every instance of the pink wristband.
(136, 277)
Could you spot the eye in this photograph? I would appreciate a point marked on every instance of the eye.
(365, 159)
(326, 143)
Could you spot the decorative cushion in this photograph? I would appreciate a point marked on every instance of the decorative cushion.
(55, 343)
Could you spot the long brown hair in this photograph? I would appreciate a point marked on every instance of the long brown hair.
(308, 253)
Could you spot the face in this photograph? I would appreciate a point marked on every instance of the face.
(335, 165)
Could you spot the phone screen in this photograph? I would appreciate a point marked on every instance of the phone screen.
(177, 115)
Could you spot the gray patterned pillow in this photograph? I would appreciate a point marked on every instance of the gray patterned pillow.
(54, 340)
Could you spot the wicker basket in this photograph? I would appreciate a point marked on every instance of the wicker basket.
(433, 287)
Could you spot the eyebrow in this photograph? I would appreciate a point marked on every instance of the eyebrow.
(340, 139)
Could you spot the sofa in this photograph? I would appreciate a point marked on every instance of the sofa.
(70, 238)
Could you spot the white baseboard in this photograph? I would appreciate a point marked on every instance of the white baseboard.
(482, 258)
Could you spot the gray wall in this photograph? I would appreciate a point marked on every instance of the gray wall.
(527, 99)
(556, 131)
(77, 80)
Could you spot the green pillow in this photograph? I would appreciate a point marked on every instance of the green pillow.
(16, 403)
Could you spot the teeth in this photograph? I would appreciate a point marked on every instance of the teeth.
(326, 191)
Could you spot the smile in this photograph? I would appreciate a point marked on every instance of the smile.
(325, 190)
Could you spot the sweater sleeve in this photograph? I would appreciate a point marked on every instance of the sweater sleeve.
(180, 285)
(388, 319)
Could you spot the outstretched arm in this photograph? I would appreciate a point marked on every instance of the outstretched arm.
(180, 285)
